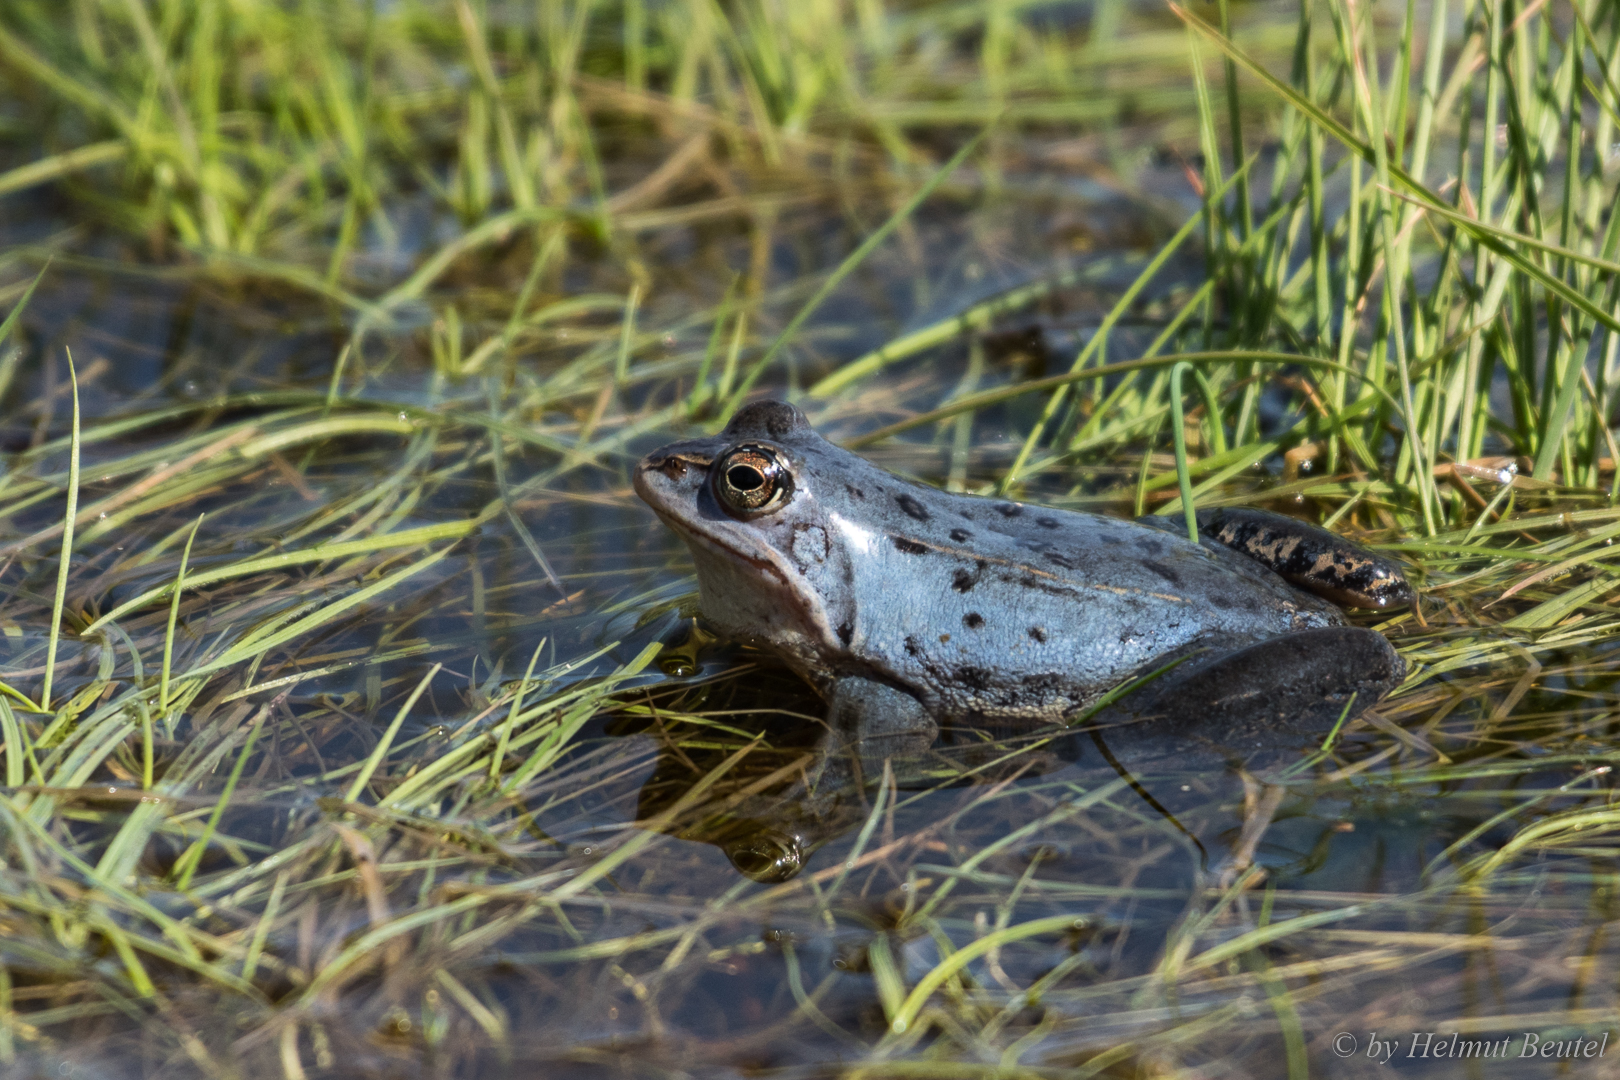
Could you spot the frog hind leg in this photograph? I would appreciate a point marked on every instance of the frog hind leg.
(1305, 555)
(1265, 697)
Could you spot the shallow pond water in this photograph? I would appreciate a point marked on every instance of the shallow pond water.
(589, 917)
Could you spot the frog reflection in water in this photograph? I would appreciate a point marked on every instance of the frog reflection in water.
(909, 608)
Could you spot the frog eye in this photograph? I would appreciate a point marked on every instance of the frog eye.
(766, 856)
(752, 480)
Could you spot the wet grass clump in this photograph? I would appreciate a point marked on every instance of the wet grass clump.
(355, 721)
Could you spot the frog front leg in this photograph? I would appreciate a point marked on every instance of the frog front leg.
(1305, 555)
(868, 723)
(1267, 696)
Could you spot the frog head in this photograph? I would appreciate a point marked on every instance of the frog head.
(756, 505)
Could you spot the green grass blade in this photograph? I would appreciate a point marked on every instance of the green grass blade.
(907, 1013)
(505, 737)
(21, 305)
(259, 645)
(17, 749)
(1178, 432)
(381, 750)
(174, 616)
(1484, 235)
(67, 542)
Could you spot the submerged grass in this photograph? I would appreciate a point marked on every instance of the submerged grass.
(276, 802)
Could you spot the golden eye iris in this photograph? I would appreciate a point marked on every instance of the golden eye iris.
(751, 480)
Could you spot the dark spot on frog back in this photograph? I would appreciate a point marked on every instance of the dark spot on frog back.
(1167, 572)
(961, 535)
(963, 579)
(910, 547)
(1038, 634)
(973, 620)
(1061, 560)
(914, 509)
(846, 633)
(1009, 510)
(1048, 523)
(854, 491)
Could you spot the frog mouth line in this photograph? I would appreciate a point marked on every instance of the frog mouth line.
(713, 546)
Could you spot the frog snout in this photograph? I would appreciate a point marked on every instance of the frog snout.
(666, 475)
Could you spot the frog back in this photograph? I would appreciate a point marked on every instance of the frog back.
(1000, 609)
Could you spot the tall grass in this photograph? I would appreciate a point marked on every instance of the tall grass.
(1424, 296)
(1407, 314)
